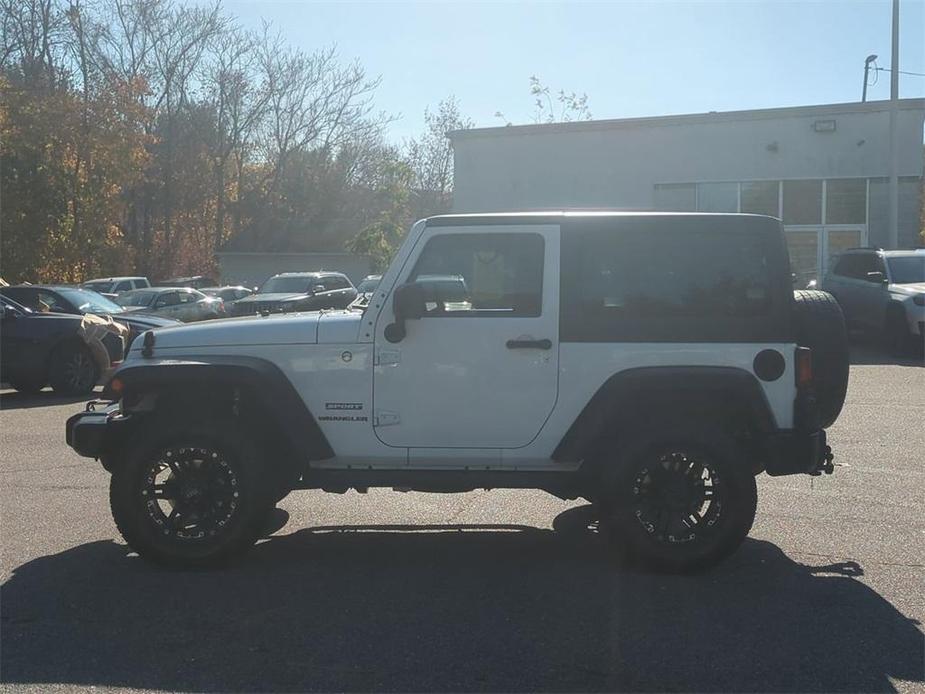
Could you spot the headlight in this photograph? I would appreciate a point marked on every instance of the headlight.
(919, 299)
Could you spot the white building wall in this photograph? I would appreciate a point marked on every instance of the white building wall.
(616, 164)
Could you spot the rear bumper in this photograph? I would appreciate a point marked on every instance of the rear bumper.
(88, 432)
(797, 452)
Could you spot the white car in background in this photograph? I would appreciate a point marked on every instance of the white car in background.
(182, 303)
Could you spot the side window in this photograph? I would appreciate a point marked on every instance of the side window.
(869, 262)
(168, 299)
(188, 297)
(847, 266)
(52, 302)
(692, 279)
(482, 274)
(123, 286)
(140, 284)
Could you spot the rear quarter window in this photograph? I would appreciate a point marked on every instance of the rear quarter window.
(674, 279)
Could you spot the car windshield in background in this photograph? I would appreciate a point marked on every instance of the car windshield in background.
(286, 285)
(97, 286)
(88, 301)
(909, 269)
(136, 298)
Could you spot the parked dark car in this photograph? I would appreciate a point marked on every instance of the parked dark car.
(38, 348)
(195, 282)
(77, 301)
(298, 291)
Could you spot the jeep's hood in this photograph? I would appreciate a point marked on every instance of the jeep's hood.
(277, 329)
(908, 289)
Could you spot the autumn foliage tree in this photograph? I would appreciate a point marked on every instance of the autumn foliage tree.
(141, 136)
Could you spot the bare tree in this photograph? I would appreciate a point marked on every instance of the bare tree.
(431, 158)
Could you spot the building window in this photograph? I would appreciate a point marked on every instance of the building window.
(846, 201)
(761, 197)
(676, 197)
(802, 202)
(718, 197)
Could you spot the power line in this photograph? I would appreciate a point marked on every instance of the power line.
(901, 72)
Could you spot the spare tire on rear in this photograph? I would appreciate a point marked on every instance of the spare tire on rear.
(820, 325)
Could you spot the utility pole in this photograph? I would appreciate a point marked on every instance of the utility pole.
(893, 236)
(867, 61)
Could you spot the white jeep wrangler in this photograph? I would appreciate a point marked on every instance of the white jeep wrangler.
(653, 364)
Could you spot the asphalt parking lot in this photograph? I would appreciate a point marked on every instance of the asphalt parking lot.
(488, 591)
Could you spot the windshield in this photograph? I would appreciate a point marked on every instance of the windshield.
(287, 285)
(907, 269)
(136, 298)
(88, 301)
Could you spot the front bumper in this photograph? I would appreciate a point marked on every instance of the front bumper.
(89, 432)
(798, 452)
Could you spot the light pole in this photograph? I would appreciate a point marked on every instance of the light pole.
(893, 218)
(867, 61)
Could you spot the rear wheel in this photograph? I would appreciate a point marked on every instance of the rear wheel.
(679, 501)
(190, 494)
(73, 371)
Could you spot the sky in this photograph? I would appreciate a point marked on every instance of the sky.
(631, 58)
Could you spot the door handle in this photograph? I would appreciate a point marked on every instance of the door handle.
(529, 344)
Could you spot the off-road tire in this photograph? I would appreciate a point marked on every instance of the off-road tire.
(820, 325)
(130, 505)
(618, 504)
(72, 369)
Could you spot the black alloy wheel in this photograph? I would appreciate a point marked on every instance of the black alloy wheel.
(678, 497)
(190, 493)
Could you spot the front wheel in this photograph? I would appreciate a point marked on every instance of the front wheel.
(73, 370)
(679, 502)
(190, 494)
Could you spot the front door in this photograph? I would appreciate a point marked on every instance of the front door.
(480, 368)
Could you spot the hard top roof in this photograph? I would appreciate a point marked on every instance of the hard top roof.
(558, 216)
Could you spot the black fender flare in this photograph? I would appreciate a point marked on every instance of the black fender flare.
(626, 394)
(275, 394)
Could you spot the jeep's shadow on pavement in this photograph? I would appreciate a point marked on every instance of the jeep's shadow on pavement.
(451, 608)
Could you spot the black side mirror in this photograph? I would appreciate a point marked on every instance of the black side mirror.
(408, 303)
(876, 277)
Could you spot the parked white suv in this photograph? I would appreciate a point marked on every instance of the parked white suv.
(651, 363)
(881, 292)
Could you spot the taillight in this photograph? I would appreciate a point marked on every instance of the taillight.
(803, 362)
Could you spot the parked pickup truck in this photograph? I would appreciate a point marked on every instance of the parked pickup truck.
(653, 364)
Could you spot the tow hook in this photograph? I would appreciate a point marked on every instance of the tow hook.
(826, 465)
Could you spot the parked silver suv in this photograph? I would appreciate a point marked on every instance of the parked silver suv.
(881, 292)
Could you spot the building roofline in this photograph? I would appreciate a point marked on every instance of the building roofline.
(685, 119)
